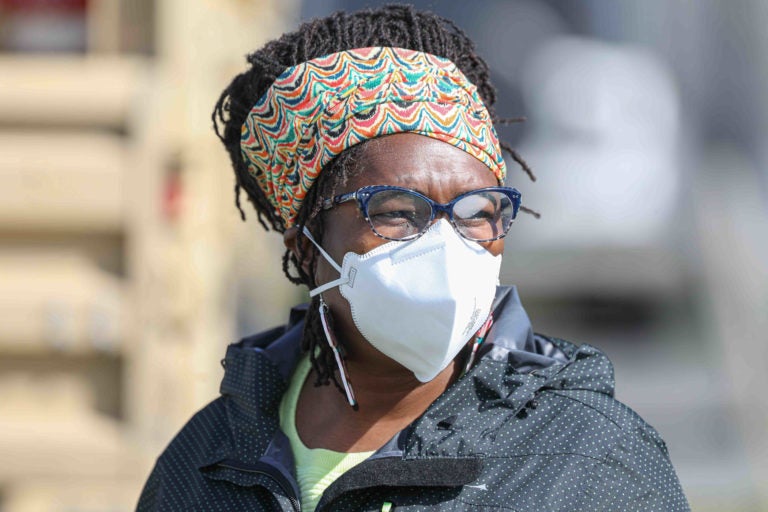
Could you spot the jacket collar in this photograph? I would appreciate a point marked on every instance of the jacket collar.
(512, 339)
(256, 372)
(515, 365)
(512, 330)
(258, 367)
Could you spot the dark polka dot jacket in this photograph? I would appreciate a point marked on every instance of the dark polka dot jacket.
(532, 427)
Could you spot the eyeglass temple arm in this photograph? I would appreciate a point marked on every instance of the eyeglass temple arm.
(343, 198)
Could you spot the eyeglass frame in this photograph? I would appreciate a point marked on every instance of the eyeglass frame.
(363, 196)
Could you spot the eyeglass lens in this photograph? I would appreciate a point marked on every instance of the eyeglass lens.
(400, 215)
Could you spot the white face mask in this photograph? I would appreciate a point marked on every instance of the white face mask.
(419, 302)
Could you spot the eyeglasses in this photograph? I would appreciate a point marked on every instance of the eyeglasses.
(397, 213)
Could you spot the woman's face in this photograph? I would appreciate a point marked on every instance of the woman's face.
(437, 169)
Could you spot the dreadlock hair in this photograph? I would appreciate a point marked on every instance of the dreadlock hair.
(399, 26)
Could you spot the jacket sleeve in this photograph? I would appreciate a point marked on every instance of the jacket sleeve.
(636, 476)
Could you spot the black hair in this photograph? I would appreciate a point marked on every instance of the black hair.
(392, 25)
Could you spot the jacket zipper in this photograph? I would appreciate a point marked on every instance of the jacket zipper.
(288, 492)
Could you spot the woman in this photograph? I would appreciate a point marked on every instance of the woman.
(367, 139)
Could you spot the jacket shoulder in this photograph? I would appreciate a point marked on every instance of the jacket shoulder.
(206, 432)
(573, 446)
(175, 477)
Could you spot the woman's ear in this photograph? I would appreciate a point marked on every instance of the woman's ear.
(299, 246)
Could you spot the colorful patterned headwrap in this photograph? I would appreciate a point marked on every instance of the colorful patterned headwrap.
(321, 107)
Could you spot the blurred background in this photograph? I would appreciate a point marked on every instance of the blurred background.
(125, 270)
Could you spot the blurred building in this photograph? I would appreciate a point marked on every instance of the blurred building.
(125, 270)
(117, 245)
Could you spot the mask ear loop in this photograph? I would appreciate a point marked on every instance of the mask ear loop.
(331, 339)
(479, 339)
(327, 286)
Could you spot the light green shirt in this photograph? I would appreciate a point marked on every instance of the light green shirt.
(316, 468)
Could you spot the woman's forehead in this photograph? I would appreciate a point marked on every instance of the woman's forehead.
(419, 162)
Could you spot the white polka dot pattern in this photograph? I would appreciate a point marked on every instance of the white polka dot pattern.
(552, 439)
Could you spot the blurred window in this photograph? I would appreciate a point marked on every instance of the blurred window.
(43, 25)
(77, 26)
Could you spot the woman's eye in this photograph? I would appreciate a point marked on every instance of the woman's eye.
(395, 216)
(483, 214)
(478, 217)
